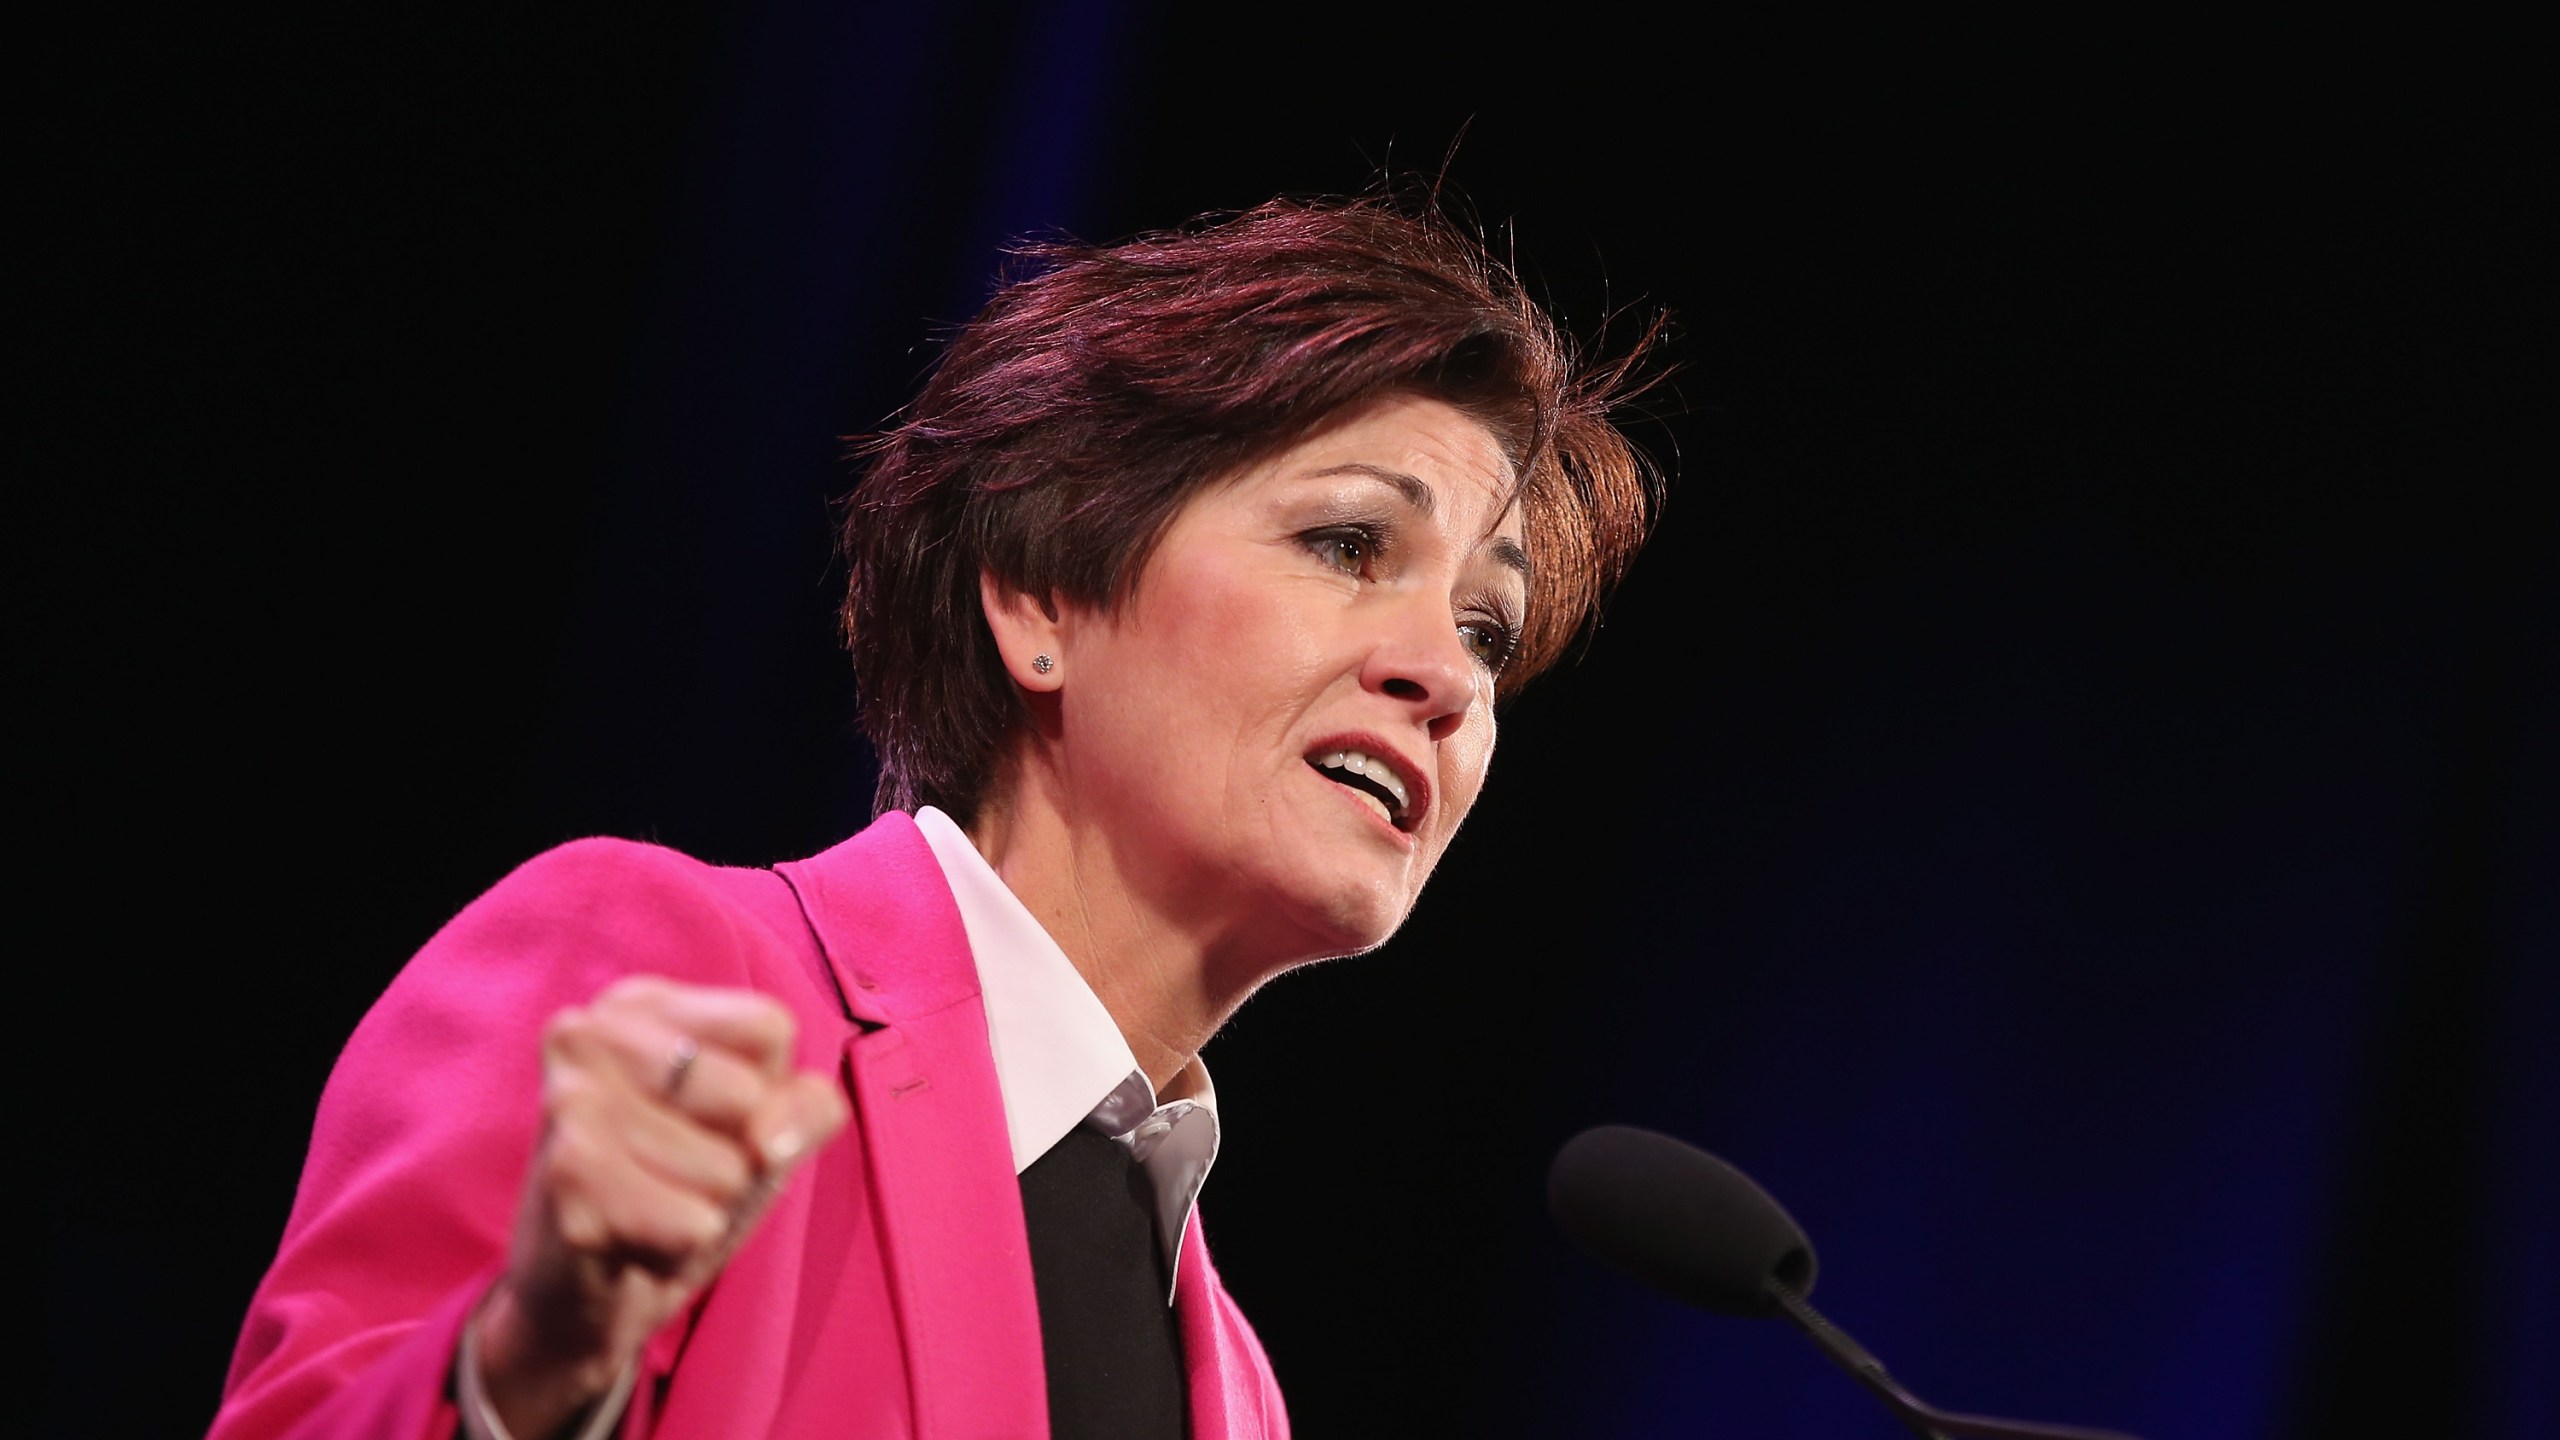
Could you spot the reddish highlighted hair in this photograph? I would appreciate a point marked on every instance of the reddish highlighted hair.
(1102, 387)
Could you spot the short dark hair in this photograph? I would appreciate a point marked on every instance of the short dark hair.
(1102, 386)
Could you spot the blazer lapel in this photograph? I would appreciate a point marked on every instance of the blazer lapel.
(931, 1117)
(1221, 1357)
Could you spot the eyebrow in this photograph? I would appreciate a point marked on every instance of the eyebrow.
(1506, 552)
(1415, 493)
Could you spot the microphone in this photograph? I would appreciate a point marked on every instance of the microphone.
(1691, 1226)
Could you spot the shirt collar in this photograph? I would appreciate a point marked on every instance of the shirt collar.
(1060, 1060)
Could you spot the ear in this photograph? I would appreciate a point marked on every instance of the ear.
(1027, 630)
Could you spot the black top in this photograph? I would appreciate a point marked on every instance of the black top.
(1111, 1344)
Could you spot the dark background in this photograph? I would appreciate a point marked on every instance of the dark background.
(2067, 800)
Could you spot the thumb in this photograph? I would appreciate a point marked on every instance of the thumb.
(801, 1116)
(792, 1124)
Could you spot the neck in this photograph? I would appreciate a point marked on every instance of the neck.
(1168, 976)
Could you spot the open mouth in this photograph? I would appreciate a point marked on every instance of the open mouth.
(1371, 777)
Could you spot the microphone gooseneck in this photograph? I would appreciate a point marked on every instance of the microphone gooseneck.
(1678, 1219)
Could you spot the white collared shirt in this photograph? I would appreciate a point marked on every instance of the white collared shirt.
(1060, 1060)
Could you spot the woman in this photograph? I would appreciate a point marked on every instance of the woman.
(1181, 599)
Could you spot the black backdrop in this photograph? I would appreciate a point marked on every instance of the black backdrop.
(2067, 800)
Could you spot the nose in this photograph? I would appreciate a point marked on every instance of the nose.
(1421, 664)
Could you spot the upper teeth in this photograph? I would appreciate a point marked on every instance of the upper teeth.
(1360, 762)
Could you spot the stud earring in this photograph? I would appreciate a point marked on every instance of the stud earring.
(1043, 664)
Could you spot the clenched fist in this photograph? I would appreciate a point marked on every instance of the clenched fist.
(671, 1117)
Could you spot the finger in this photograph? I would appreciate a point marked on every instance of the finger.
(595, 1107)
(712, 1087)
(816, 1113)
(752, 1026)
(797, 1118)
(821, 1106)
(718, 1167)
(605, 1203)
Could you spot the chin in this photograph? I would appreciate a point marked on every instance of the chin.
(1348, 918)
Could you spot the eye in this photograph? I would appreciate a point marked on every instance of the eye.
(1347, 548)
(1490, 641)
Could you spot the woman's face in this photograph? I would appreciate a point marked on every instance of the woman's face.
(1281, 730)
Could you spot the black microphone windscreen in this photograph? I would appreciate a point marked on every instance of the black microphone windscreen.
(1678, 1219)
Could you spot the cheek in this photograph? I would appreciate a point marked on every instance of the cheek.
(1242, 643)
(1215, 666)
(1177, 644)
(1464, 759)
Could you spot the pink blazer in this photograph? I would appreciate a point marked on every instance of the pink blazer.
(888, 1291)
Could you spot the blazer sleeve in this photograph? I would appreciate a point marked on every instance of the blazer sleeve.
(419, 1149)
